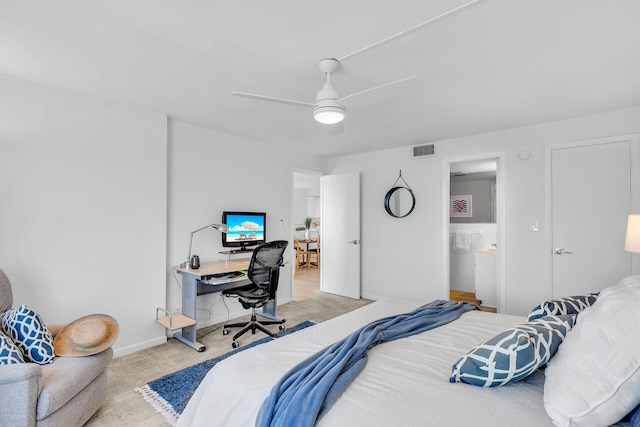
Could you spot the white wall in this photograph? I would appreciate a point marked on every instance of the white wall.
(93, 213)
(407, 258)
(482, 204)
(98, 201)
(306, 204)
(210, 172)
(83, 208)
(299, 206)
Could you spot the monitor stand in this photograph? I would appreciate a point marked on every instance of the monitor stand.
(241, 250)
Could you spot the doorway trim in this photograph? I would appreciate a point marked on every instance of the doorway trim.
(500, 222)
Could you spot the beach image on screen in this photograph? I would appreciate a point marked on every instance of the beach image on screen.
(245, 228)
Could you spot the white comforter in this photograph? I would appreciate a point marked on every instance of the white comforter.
(405, 382)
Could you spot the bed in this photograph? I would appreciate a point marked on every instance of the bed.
(405, 382)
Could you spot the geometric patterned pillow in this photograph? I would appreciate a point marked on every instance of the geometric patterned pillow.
(9, 353)
(513, 354)
(30, 334)
(566, 305)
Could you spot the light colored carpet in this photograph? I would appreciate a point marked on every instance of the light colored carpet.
(125, 407)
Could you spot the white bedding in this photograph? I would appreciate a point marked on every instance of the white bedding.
(405, 382)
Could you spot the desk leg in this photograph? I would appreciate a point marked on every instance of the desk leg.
(269, 310)
(189, 301)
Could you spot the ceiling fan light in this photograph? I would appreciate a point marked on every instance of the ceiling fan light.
(328, 115)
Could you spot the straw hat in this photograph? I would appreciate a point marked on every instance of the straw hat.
(86, 336)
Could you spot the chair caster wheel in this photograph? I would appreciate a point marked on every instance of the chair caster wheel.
(281, 327)
(235, 344)
(225, 332)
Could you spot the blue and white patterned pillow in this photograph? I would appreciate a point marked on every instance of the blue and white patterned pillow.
(9, 352)
(27, 330)
(513, 354)
(566, 305)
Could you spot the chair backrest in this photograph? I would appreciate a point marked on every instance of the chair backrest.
(6, 295)
(265, 264)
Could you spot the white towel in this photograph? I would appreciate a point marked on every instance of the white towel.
(461, 242)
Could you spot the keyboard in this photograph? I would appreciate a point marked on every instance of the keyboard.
(217, 279)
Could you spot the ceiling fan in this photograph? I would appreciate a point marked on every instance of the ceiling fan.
(329, 107)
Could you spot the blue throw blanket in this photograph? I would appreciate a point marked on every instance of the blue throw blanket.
(305, 393)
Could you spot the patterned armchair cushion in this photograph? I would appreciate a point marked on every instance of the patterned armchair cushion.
(29, 333)
(9, 352)
(566, 305)
(514, 353)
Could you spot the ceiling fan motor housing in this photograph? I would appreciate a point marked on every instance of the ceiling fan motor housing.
(327, 109)
(329, 65)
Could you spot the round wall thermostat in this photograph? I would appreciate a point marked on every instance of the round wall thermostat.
(524, 155)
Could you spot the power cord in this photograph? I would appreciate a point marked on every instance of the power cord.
(176, 279)
(224, 301)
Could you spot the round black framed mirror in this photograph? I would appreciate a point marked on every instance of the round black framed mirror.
(399, 202)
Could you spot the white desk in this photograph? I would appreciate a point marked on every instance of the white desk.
(194, 284)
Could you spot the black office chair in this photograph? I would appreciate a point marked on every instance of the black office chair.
(263, 272)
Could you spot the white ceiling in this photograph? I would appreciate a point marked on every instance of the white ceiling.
(494, 65)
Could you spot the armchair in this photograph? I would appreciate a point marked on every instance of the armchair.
(66, 392)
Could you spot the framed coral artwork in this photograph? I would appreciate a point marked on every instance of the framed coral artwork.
(460, 207)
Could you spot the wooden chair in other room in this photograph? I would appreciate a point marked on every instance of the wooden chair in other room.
(314, 254)
(301, 254)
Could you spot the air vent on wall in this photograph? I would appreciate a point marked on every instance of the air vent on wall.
(423, 150)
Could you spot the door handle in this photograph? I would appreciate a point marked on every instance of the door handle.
(355, 242)
(561, 251)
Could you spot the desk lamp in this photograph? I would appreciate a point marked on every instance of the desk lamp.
(223, 228)
(632, 242)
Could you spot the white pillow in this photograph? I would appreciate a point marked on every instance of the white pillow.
(594, 378)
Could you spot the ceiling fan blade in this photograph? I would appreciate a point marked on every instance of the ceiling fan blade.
(379, 93)
(272, 99)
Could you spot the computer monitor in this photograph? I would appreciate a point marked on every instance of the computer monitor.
(245, 229)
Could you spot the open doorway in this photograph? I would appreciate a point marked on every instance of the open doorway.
(474, 231)
(306, 224)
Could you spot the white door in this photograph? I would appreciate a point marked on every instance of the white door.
(591, 196)
(340, 234)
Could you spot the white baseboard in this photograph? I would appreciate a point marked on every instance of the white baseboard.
(123, 351)
(372, 297)
(203, 324)
(284, 300)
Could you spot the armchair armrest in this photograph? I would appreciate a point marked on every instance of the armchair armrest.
(55, 328)
(20, 386)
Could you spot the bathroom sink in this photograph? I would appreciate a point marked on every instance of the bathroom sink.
(490, 249)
